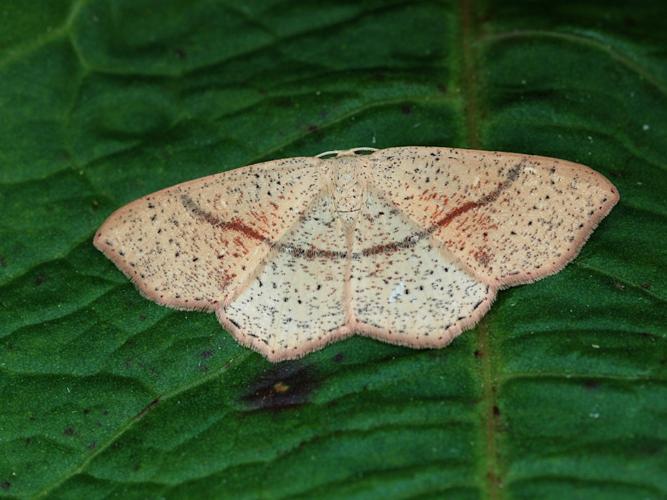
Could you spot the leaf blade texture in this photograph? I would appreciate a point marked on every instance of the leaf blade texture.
(559, 392)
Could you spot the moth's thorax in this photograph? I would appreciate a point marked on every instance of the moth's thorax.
(348, 181)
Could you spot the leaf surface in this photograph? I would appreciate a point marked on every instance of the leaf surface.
(560, 392)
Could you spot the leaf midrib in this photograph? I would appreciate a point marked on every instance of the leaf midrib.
(489, 473)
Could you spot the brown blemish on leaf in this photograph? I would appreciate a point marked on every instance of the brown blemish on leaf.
(287, 385)
(148, 408)
(591, 384)
(493, 478)
(284, 102)
(339, 357)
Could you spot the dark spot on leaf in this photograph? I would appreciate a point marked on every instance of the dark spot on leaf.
(5, 485)
(492, 477)
(180, 53)
(591, 384)
(284, 102)
(646, 286)
(150, 406)
(339, 357)
(313, 128)
(286, 385)
(92, 445)
(496, 411)
(629, 22)
(39, 279)
(406, 109)
(478, 353)
(206, 354)
(69, 431)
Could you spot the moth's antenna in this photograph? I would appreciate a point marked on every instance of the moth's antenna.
(328, 153)
(363, 150)
(348, 151)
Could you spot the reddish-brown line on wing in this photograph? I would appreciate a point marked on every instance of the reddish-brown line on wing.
(484, 200)
(237, 225)
(456, 212)
(233, 225)
(240, 227)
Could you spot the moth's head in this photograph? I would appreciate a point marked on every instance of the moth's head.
(347, 187)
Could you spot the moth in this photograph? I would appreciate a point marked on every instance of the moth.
(408, 245)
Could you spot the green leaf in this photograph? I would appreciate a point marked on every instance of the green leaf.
(560, 392)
